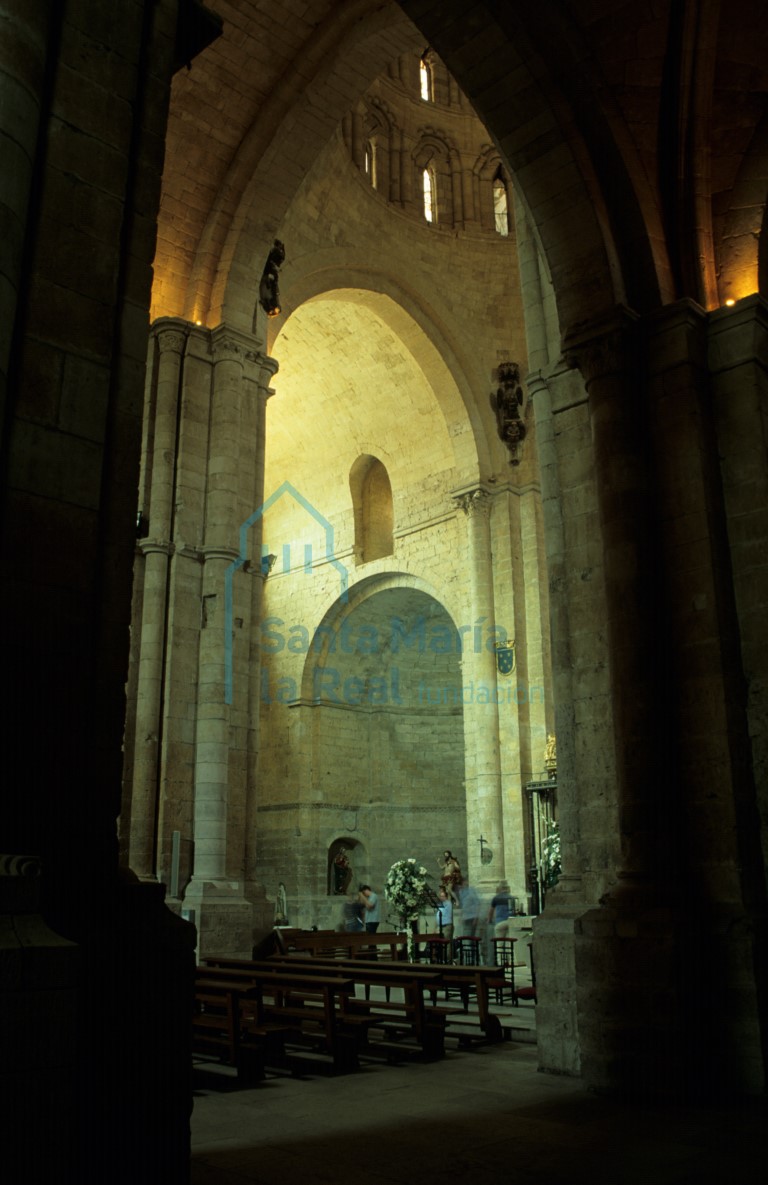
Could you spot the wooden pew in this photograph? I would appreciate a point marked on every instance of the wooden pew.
(340, 944)
(228, 1023)
(479, 981)
(467, 980)
(301, 1002)
(410, 1014)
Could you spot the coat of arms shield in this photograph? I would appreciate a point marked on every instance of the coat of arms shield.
(505, 657)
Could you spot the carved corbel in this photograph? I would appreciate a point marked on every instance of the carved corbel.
(508, 403)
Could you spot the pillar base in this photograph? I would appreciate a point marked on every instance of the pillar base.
(40, 974)
(230, 917)
(665, 1010)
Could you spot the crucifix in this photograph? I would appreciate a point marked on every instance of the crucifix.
(486, 851)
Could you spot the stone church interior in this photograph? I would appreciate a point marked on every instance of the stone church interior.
(385, 391)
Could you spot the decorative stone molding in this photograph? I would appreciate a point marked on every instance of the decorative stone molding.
(171, 341)
(475, 502)
(13, 865)
(739, 335)
(228, 345)
(156, 547)
(675, 335)
(215, 552)
(604, 346)
(435, 138)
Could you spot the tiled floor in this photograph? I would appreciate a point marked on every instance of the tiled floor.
(485, 1116)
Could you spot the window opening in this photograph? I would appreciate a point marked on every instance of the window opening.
(425, 78)
(370, 162)
(500, 204)
(429, 195)
(373, 509)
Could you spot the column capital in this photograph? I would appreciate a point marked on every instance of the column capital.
(156, 547)
(171, 334)
(219, 552)
(232, 345)
(474, 501)
(604, 346)
(676, 335)
(739, 335)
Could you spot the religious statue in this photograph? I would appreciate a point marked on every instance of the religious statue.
(507, 402)
(451, 873)
(269, 297)
(342, 872)
(281, 906)
(550, 754)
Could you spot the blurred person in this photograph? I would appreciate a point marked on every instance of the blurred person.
(371, 908)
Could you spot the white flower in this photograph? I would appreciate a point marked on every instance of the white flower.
(407, 889)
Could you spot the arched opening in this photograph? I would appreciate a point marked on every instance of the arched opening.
(373, 510)
(428, 194)
(383, 688)
(426, 81)
(500, 203)
(369, 162)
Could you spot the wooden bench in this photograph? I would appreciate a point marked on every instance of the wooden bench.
(467, 981)
(340, 944)
(303, 1002)
(478, 981)
(228, 1023)
(411, 1014)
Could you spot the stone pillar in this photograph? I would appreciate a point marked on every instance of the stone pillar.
(170, 337)
(738, 359)
(607, 357)
(29, 33)
(719, 887)
(457, 193)
(219, 551)
(216, 892)
(676, 934)
(579, 688)
(252, 677)
(407, 172)
(481, 721)
(394, 160)
(471, 217)
(358, 140)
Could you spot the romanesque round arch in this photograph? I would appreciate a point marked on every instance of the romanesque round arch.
(455, 379)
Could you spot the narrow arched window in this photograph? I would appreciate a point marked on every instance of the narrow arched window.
(428, 191)
(425, 80)
(500, 203)
(373, 509)
(370, 162)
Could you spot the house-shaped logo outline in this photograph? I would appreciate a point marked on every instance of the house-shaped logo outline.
(285, 488)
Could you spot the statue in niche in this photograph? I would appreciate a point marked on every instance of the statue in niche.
(506, 403)
(342, 872)
(269, 296)
(281, 906)
(550, 753)
(451, 874)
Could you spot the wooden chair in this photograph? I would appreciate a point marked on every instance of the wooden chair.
(466, 950)
(528, 993)
(504, 957)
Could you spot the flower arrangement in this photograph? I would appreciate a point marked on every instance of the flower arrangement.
(407, 888)
(550, 855)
